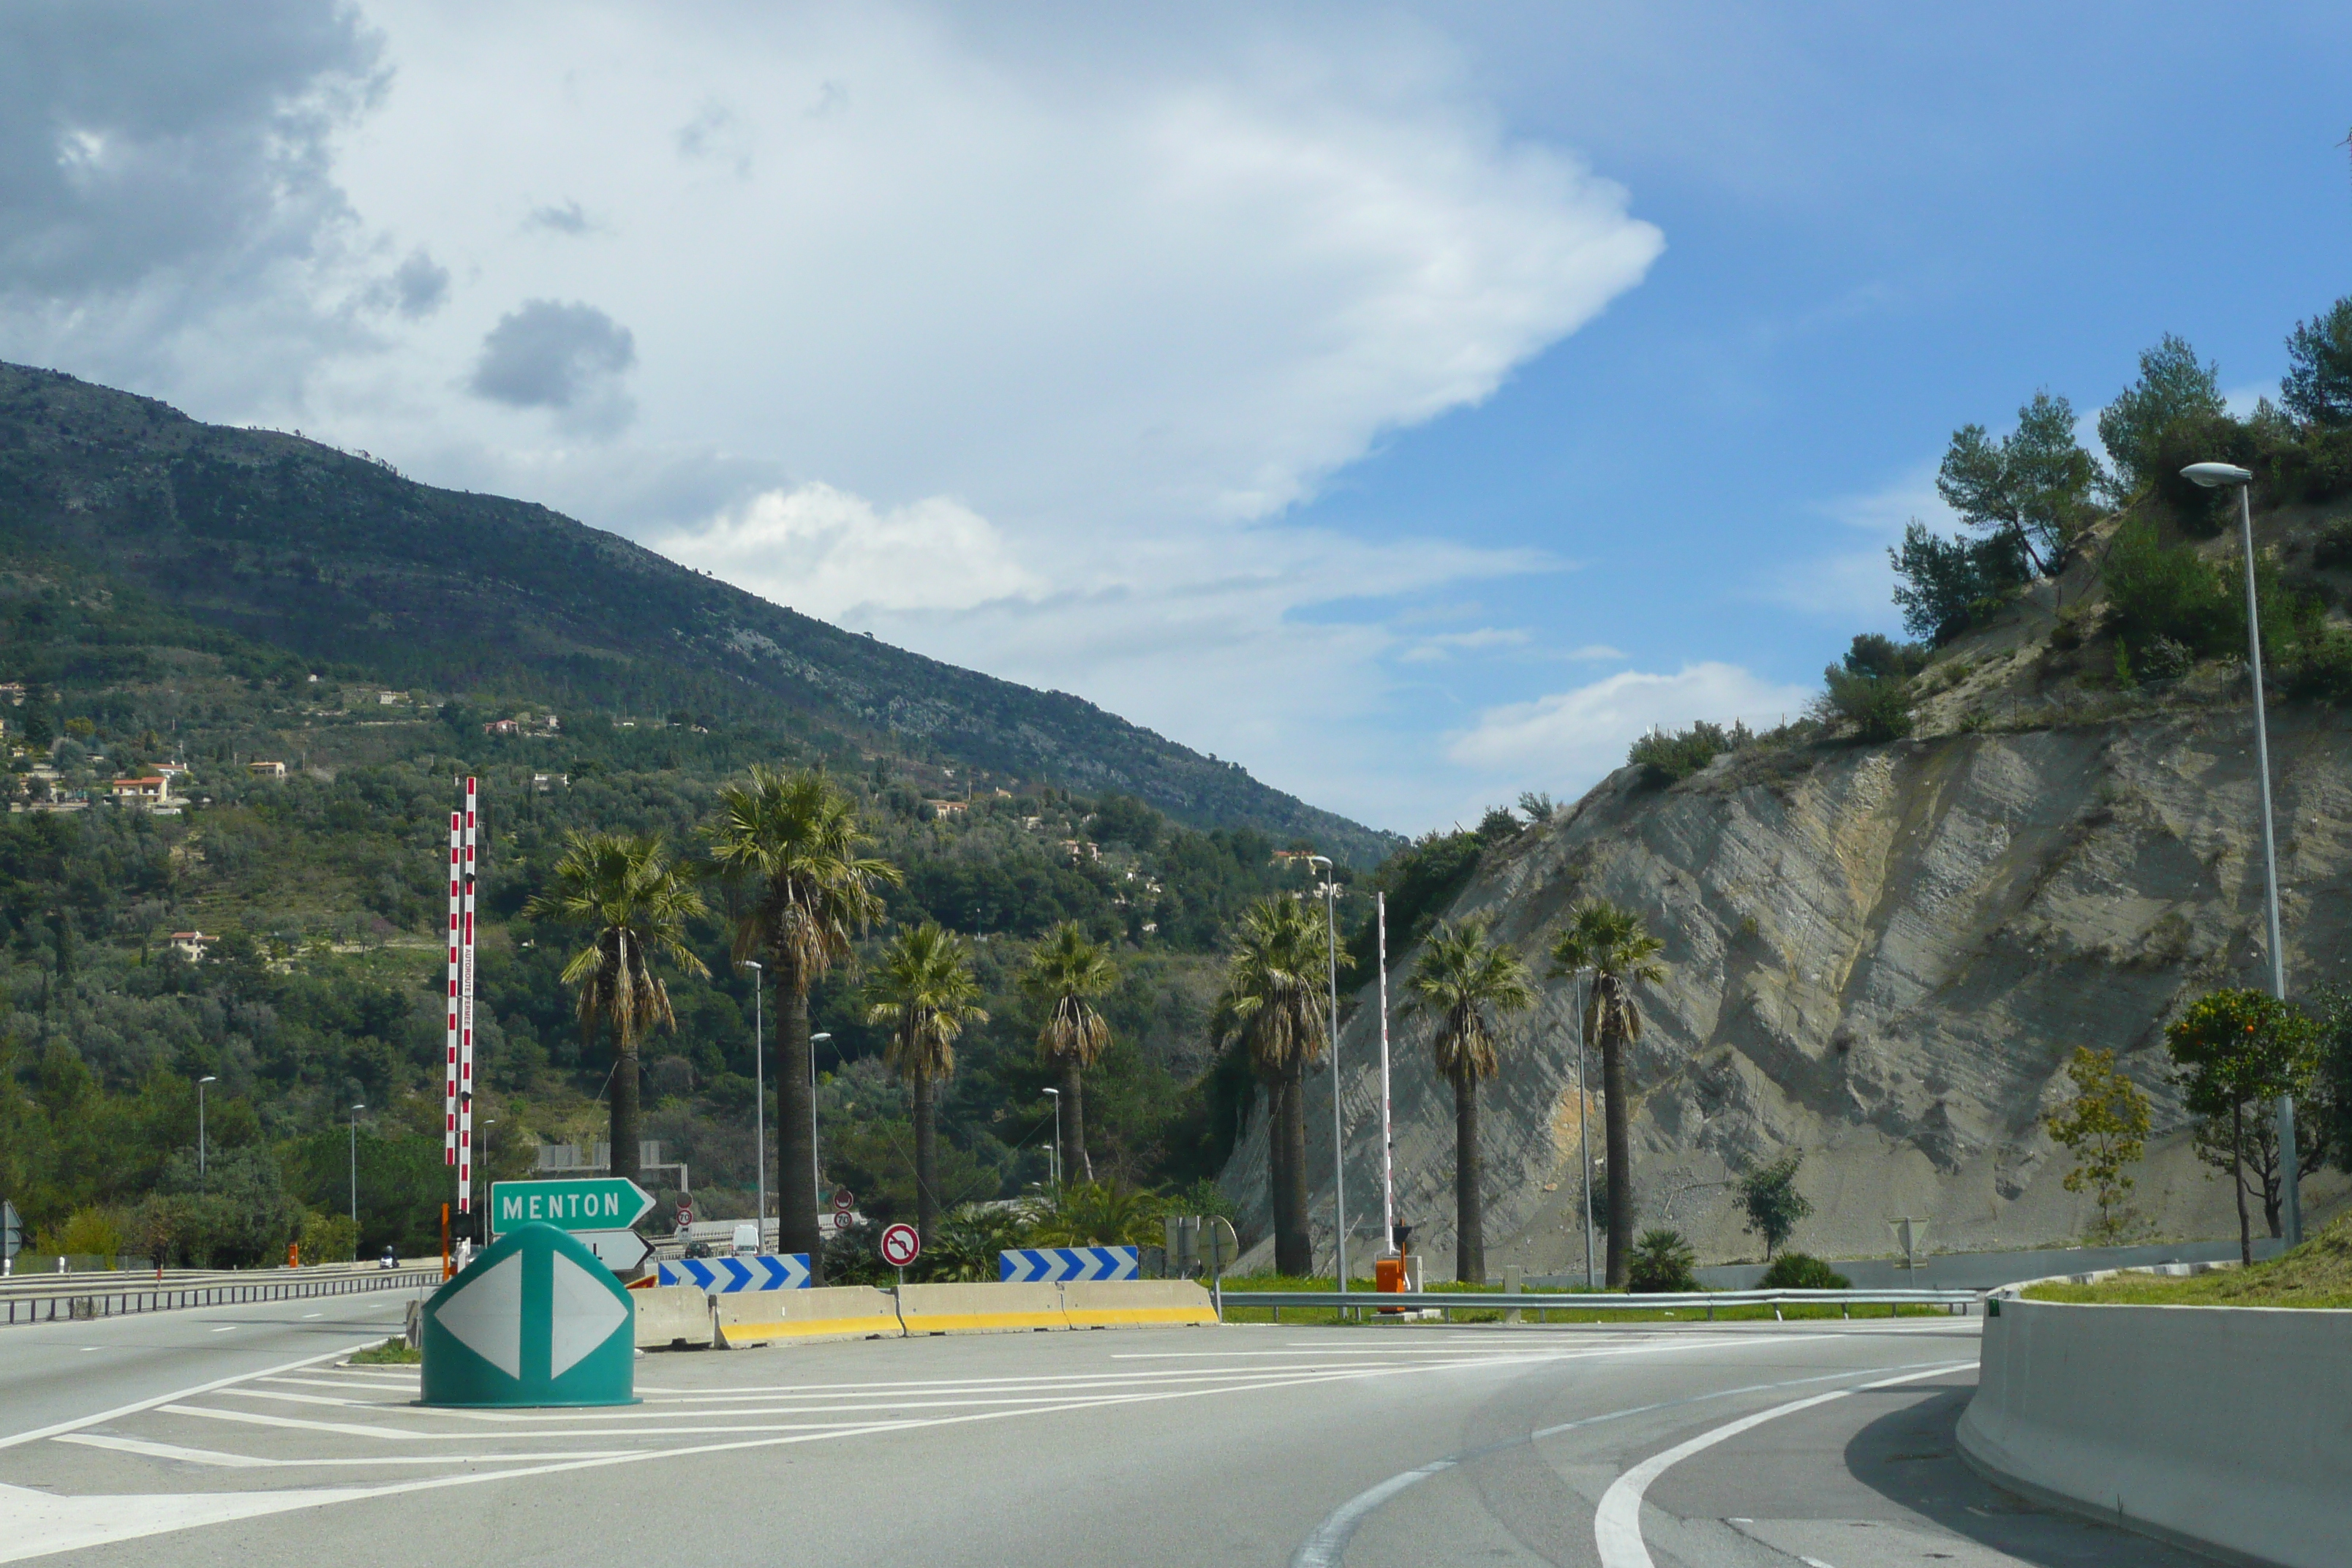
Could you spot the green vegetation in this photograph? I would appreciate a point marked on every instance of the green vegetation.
(2104, 1128)
(1066, 976)
(1661, 1262)
(2031, 490)
(1611, 943)
(2173, 389)
(1670, 756)
(1465, 982)
(1274, 1006)
(2234, 1050)
(1802, 1271)
(923, 992)
(2317, 1274)
(1774, 1206)
(392, 1352)
(1869, 693)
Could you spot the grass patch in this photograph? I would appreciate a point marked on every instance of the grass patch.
(392, 1352)
(1489, 1309)
(2317, 1274)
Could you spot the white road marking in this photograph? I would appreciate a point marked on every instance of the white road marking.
(1327, 1545)
(308, 1316)
(1617, 1524)
(226, 1329)
(250, 1461)
(80, 1422)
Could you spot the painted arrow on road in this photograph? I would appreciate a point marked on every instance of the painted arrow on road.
(1053, 1265)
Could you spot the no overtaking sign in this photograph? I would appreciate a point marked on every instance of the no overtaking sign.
(592, 1203)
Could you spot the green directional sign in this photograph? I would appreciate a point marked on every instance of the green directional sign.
(582, 1203)
(537, 1319)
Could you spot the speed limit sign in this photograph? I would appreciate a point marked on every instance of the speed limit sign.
(900, 1245)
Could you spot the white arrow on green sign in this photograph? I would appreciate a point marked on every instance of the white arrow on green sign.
(575, 1204)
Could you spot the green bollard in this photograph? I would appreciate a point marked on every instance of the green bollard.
(537, 1319)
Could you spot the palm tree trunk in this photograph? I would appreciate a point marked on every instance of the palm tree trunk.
(1294, 1249)
(1277, 1178)
(1469, 1180)
(1618, 1113)
(927, 1159)
(2238, 1181)
(1074, 1120)
(623, 1128)
(796, 1194)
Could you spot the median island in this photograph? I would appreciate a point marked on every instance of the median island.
(2317, 1274)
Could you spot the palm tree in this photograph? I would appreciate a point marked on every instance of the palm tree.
(1274, 1003)
(1613, 945)
(1065, 975)
(636, 903)
(1467, 982)
(793, 838)
(924, 993)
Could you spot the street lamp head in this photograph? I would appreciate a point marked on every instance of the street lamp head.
(2213, 476)
(208, 1078)
(1054, 1092)
(362, 1106)
(753, 963)
(814, 1038)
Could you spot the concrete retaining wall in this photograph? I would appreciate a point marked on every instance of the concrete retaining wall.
(981, 1309)
(1135, 1303)
(836, 1312)
(672, 1317)
(2221, 1427)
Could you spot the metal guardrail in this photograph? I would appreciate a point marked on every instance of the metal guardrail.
(73, 1298)
(1451, 1301)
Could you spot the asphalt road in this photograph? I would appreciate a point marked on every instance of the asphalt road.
(192, 1439)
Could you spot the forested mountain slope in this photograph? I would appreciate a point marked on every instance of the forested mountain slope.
(342, 563)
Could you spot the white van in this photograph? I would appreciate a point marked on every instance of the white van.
(747, 1238)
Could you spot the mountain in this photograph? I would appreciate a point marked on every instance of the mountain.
(341, 562)
(1884, 956)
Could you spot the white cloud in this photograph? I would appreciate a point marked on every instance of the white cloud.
(1596, 653)
(1441, 645)
(837, 556)
(1125, 290)
(1567, 741)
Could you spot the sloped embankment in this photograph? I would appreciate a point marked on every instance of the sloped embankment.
(1882, 955)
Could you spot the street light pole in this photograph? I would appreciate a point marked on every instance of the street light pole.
(1054, 1155)
(760, 1096)
(208, 1078)
(1338, 1130)
(817, 1165)
(2212, 475)
(355, 1162)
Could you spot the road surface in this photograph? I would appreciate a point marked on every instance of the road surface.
(233, 1436)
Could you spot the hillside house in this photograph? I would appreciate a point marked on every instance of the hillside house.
(501, 727)
(949, 808)
(266, 770)
(153, 790)
(190, 944)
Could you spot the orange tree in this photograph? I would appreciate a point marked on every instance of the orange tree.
(2236, 1045)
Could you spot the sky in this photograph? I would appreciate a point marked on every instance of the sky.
(1413, 404)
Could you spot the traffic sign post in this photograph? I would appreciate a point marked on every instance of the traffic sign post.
(537, 1319)
(574, 1204)
(901, 1247)
(1219, 1249)
(844, 1200)
(12, 1238)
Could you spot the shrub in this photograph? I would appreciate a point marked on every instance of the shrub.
(1883, 657)
(2158, 590)
(2321, 669)
(1802, 1271)
(2165, 659)
(2333, 548)
(1774, 1206)
(1662, 1261)
(1877, 706)
(1672, 755)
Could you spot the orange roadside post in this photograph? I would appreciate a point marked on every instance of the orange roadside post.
(446, 1269)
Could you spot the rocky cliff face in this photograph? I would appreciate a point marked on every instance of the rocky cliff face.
(1881, 955)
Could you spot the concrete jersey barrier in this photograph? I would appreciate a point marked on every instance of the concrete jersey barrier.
(2219, 1427)
(981, 1309)
(834, 1312)
(670, 1316)
(1135, 1303)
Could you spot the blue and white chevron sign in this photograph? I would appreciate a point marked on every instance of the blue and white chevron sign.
(768, 1272)
(1051, 1264)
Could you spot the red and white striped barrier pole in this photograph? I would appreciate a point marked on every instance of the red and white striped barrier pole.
(466, 1015)
(449, 1071)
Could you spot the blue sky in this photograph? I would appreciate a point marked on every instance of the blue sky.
(1411, 404)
